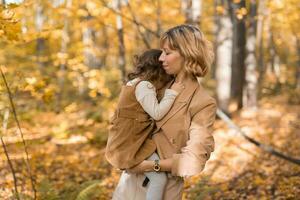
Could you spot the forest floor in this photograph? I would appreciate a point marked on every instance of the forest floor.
(66, 166)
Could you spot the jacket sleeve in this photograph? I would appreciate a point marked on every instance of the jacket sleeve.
(193, 156)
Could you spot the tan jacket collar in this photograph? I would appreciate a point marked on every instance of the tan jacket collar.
(190, 86)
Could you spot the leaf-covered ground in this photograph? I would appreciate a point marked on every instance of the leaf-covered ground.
(66, 156)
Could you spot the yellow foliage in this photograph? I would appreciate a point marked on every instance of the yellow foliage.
(48, 94)
(71, 108)
(220, 9)
(61, 130)
(31, 80)
(7, 15)
(240, 13)
(9, 25)
(82, 13)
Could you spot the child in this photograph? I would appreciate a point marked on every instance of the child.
(129, 141)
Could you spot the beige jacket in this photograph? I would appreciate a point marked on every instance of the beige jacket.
(184, 134)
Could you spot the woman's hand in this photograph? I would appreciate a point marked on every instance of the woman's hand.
(144, 166)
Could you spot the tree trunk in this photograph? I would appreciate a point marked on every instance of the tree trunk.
(192, 10)
(298, 66)
(40, 43)
(260, 44)
(24, 25)
(105, 46)
(250, 93)
(273, 67)
(158, 19)
(63, 57)
(89, 41)
(216, 28)
(122, 61)
(238, 53)
(223, 59)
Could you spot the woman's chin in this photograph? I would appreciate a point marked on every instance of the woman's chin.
(168, 72)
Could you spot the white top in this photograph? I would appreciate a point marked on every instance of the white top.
(145, 94)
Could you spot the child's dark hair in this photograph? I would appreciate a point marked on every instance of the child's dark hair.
(149, 67)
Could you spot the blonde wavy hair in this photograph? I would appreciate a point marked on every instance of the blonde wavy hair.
(193, 47)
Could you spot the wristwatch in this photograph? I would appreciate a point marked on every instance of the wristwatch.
(156, 166)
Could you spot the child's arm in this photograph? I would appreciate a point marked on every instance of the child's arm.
(146, 95)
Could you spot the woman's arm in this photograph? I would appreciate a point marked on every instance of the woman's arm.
(147, 166)
(192, 158)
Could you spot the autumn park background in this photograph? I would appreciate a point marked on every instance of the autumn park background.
(63, 62)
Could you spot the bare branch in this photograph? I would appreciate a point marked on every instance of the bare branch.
(130, 19)
(138, 26)
(4, 128)
(264, 147)
(19, 128)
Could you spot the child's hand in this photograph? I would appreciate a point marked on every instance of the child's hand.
(178, 87)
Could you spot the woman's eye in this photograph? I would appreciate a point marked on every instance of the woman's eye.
(167, 53)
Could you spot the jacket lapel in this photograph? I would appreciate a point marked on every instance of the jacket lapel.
(181, 101)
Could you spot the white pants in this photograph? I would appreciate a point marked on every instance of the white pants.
(157, 182)
(130, 188)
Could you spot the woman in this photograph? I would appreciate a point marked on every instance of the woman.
(183, 137)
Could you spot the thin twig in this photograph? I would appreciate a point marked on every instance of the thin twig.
(129, 19)
(21, 133)
(264, 147)
(4, 128)
(138, 26)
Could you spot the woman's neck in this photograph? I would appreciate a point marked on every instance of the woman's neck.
(180, 76)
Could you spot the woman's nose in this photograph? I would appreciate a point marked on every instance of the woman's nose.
(161, 57)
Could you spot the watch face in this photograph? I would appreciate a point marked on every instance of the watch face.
(156, 166)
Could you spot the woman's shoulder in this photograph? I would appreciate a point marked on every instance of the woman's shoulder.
(202, 100)
(202, 97)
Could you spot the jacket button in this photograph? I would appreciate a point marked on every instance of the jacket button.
(172, 140)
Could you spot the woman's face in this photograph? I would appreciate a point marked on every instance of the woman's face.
(171, 60)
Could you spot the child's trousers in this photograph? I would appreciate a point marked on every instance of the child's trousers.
(158, 181)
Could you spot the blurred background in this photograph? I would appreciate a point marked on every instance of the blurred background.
(63, 63)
